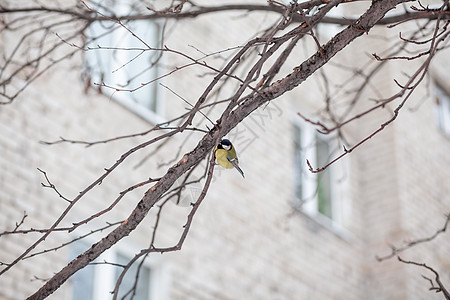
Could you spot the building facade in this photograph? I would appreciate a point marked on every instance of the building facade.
(280, 233)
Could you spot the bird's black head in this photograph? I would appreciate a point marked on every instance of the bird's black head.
(225, 144)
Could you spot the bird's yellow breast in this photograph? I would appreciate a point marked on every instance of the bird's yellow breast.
(222, 159)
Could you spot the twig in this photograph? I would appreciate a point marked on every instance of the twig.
(52, 186)
(74, 240)
(440, 288)
(395, 250)
(21, 221)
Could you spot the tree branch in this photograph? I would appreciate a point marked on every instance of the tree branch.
(196, 11)
(408, 245)
(440, 288)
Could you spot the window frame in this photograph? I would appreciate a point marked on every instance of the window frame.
(121, 61)
(104, 275)
(309, 204)
(442, 108)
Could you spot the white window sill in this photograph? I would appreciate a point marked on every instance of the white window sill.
(328, 224)
(139, 110)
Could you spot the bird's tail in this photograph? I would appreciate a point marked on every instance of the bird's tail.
(236, 165)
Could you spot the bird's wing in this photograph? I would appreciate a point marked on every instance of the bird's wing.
(222, 159)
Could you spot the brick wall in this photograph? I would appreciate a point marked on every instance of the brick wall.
(247, 240)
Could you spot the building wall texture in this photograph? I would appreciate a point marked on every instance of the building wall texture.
(247, 240)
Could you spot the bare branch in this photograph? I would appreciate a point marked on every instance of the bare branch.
(196, 11)
(441, 288)
(408, 245)
(86, 190)
(51, 185)
(101, 229)
(405, 92)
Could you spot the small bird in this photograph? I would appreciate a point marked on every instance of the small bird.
(226, 155)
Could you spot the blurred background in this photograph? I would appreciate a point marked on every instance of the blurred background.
(283, 232)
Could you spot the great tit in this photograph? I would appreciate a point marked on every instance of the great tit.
(226, 155)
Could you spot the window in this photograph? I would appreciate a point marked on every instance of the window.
(442, 100)
(83, 280)
(324, 185)
(320, 195)
(120, 60)
(97, 281)
(142, 290)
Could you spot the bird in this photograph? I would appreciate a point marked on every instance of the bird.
(226, 156)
